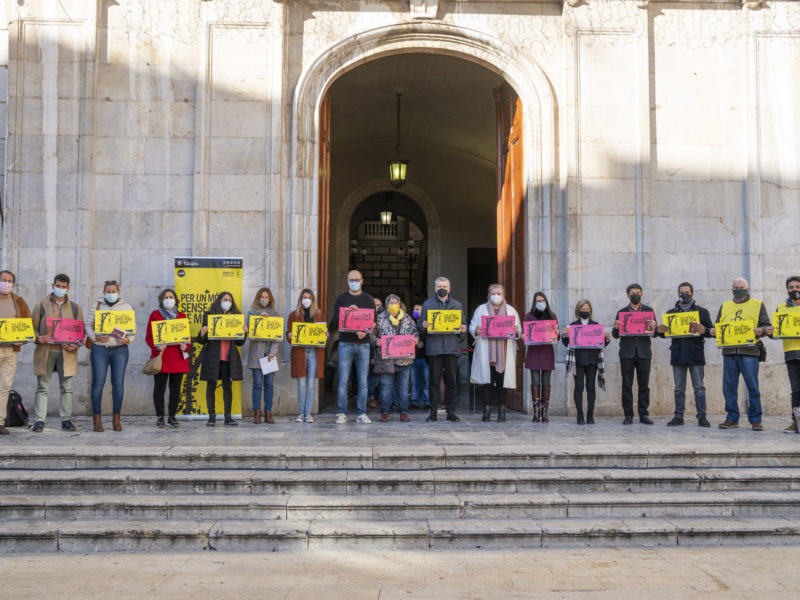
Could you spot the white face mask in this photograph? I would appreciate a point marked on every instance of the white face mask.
(496, 299)
(5, 287)
(306, 302)
(226, 305)
(169, 303)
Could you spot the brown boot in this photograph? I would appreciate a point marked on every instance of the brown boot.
(545, 403)
(98, 423)
(3, 430)
(537, 402)
(792, 428)
(257, 417)
(268, 418)
(115, 424)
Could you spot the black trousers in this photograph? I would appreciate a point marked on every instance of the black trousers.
(494, 390)
(585, 378)
(793, 367)
(227, 394)
(160, 386)
(446, 364)
(641, 367)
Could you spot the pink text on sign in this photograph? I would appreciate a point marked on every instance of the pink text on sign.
(635, 323)
(587, 336)
(536, 333)
(397, 346)
(498, 326)
(356, 319)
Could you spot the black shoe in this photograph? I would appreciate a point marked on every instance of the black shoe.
(229, 421)
(703, 422)
(580, 420)
(38, 427)
(628, 420)
(590, 419)
(212, 420)
(67, 426)
(432, 417)
(501, 413)
(160, 423)
(172, 422)
(487, 414)
(675, 422)
(645, 420)
(453, 417)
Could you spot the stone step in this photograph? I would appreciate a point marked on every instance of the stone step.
(368, 457)
(354, 482)
(184, 507)
(270, 535)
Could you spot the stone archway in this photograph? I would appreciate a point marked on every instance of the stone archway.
(301, 184)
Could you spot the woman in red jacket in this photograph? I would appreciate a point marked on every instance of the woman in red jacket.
(308, 364)
(175, 359)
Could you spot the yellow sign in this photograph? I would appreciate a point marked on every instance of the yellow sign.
(13, 331)
(171, 332)
(735, 333)
(309, 334)
(106, 321)
(269, 329)
(226, 327)
(444, 321)
(786, 324)
(678, 323)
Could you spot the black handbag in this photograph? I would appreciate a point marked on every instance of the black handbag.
(762, 351)
(383, 366)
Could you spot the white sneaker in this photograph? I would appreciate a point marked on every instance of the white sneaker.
(299, 419)
(341, 418)
(309, 419)
(364, 419)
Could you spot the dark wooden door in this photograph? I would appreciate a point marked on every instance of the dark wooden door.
(510, 212)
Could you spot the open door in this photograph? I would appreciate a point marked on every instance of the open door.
(510, 214)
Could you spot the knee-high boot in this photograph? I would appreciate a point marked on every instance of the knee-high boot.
(211, 408)
(536, 394)
(545, 403)
(579, 410)
(590, 411)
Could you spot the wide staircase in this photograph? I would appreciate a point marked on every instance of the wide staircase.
(87, 499)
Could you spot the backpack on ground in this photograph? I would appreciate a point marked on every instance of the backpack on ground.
(16, 415)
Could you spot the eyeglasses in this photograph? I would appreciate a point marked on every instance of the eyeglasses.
(354, 280)
(111, 282)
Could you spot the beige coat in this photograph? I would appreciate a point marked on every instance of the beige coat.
(42, 351)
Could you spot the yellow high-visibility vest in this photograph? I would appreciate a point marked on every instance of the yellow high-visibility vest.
(741, 311)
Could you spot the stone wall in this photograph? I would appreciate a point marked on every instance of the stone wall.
(661, 145)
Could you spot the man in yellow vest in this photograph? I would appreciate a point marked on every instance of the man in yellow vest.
(791, 350)
(742, 359)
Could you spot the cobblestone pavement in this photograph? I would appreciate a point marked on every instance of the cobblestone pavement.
(759, 573)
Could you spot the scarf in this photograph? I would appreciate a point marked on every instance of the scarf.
(168, 314)
(685, 307)
(395, 321)
(497, 348)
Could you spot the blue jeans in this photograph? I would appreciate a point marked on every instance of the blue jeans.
(101, 358)
(419, 383)
(394, 386)
(349, 353)
(307, 386)
(732, 365)
(262, 382)
(373, 381)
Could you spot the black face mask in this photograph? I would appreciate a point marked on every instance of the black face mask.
(441, 292)
(794, 294)
(740, 293)
(584, 314)
(378, 309)
(636, 298)
(686, 298)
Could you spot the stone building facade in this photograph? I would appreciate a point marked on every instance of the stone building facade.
(660, 144)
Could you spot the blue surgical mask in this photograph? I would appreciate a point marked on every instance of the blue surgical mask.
(415, 314)
(540, 306)
(111, 298)
(59, 292)
(354, 285)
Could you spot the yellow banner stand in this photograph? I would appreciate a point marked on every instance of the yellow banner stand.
(198, 282)
(267, 329)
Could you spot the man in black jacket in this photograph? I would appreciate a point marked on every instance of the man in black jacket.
(688, 354)
(635, 356)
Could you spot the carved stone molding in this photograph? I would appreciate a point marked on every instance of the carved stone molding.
(423, 9)
(753, 4)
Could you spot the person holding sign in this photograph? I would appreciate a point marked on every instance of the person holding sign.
(586, 364)
(785, 316)
(395, 337)
(741, 359)
(494, 363)
(353, 345)
(687, 324)
(307, 364)
(11, 307)
(51, 355)
(443, 350)
(109, 350)
(263, 306)
(634, 326)
(174, 358)
(540, 360)
(419, 370)
(221, 363)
